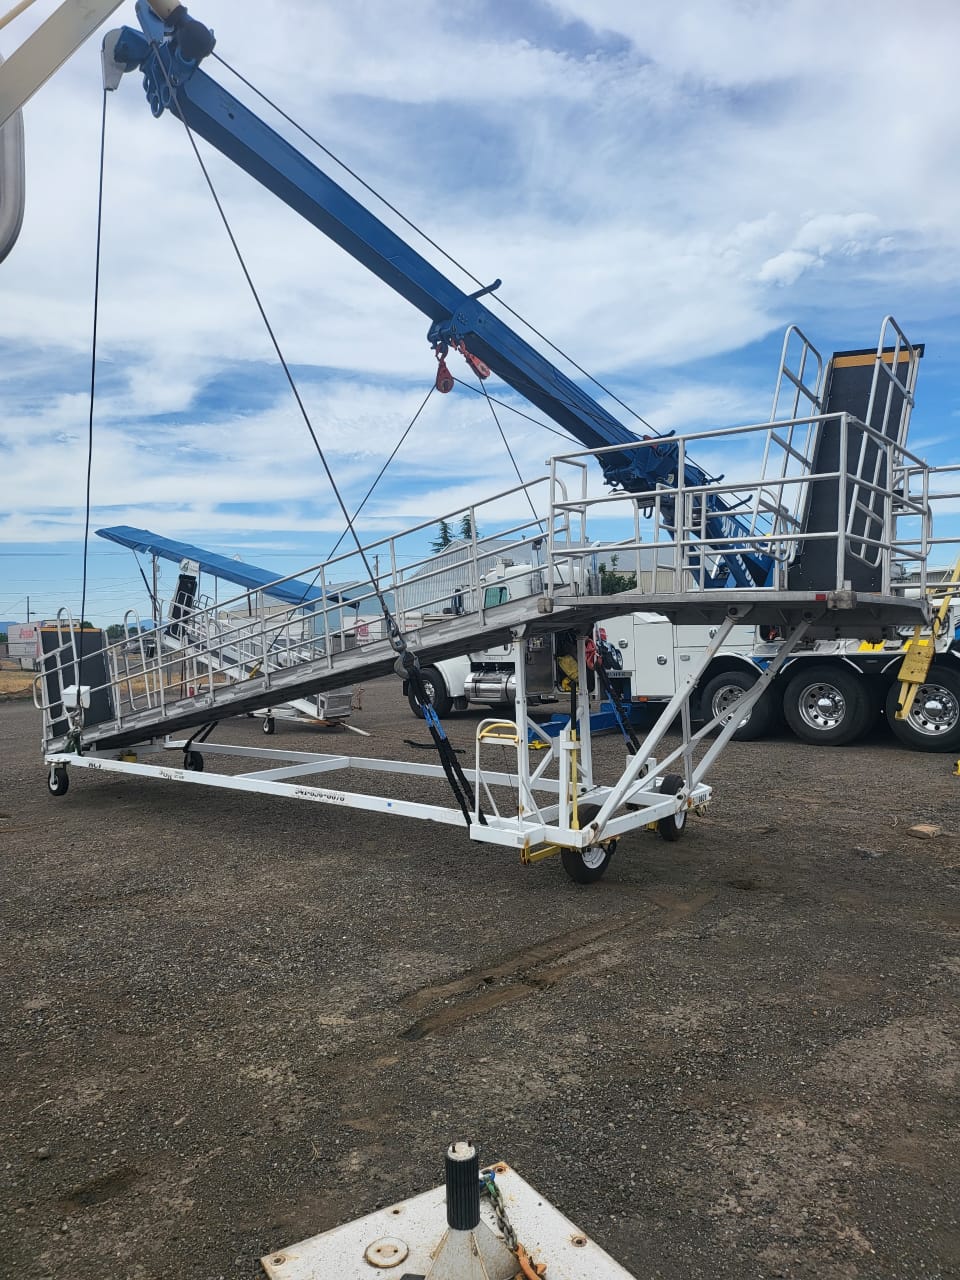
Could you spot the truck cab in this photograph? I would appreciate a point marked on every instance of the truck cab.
(486, 677)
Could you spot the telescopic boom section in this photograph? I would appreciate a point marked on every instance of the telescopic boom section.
(168, 55)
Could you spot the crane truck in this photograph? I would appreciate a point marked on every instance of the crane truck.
(168, 55)
(829, 693)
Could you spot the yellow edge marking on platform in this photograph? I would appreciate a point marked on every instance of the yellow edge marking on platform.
(853, 362)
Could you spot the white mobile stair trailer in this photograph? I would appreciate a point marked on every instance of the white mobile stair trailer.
(205, 638)
(198, 619)
(550, 800)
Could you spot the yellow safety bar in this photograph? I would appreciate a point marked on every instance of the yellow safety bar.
(921, 648)
(500, 731)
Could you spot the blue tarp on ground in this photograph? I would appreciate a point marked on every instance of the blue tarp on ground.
(250, 576)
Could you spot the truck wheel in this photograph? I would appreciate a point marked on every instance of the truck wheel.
(826, 705)
(674, 827)
(585, 866)
(723, 692)
(436, 688)
(934, 720)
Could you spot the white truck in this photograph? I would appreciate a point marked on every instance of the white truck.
(487, 676)
(831, 692)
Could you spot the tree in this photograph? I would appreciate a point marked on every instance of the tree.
(466, 527)
(612, 582)
(116, 631)
(444, 537)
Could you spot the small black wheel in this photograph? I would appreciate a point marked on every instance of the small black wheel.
(586, 866)
(933, 722)
(193, 761)
(269, 724)
(58, 781)
(722, 693)
(826, 704)
(436, 688)
(674, 826)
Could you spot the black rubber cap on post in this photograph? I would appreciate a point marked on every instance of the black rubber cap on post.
(463, 1186)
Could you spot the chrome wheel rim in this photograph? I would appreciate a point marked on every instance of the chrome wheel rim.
(935, 711)
(822, 706)
(725, 701)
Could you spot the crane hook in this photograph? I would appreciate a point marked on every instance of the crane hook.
(445, 380)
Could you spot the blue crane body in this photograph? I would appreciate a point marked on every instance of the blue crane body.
(168, 55)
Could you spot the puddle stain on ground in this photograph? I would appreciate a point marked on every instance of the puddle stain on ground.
(102, 1188)
(541, 967)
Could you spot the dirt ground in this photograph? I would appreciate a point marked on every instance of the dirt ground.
(232, 1021)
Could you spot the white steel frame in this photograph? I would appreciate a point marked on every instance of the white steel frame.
(543, 798)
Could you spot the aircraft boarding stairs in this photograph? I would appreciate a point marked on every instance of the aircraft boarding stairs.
(97, 707)
(208, 640)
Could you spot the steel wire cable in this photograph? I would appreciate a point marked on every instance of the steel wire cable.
(451, 766)
(506, 444)
(424, 236)
(394, 632)
(410, 425)
(380, 474)
(93, 380)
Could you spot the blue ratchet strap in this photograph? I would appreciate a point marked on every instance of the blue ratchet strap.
(459, 784)
(629, 737)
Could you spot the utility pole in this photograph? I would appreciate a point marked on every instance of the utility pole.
(28, 608)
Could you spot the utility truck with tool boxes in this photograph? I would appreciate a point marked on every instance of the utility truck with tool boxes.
(831, 692)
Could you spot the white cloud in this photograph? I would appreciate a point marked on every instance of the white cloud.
(787, 267)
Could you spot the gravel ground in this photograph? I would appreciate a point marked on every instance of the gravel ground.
(230, 1021)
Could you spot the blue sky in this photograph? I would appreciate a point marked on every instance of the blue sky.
(662, 190)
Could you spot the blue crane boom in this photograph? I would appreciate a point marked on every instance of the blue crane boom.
(168, 54)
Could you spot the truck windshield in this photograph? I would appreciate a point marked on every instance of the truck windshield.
(493, 596)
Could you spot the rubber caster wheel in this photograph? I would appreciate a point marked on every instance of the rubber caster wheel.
(58, 782)
(586, 866)
(674, 826)
(193, 761)
(269, 725)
